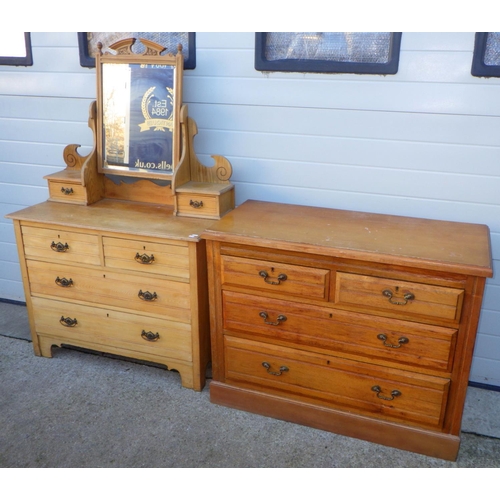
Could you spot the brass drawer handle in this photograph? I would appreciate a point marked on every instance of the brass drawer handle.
(196, 204)
(279, 319)
(150, 336)
(281, 277)
(64, 282)
(267, 366)
(398, 302)
(59, 247)
(67, 191)
(144, 258)
(70, 323)
(147, 296)
(378, 390)
(401, 341)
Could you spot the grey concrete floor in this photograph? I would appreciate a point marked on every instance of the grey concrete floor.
(80, 410)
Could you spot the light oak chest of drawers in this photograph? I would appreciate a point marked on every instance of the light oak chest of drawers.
(119, 277)
(356, 323)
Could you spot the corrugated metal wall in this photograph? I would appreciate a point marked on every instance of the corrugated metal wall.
(424, 142)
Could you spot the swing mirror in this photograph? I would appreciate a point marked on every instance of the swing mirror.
(138, 120)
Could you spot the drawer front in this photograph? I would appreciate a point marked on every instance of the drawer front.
(275, 277)
(108, 327)
(398, 297)
(61, 245)
(166, 259)
(339, 383)
(68, 193)
(197, 205)
(378, 339)
(145, 294)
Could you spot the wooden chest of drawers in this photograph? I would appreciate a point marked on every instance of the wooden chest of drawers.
(356, 323)
(120, 277)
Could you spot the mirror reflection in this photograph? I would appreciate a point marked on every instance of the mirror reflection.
(138, 117)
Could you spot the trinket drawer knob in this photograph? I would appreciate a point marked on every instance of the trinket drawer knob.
(394, 394)
(64, 282)
(279, 319)
(67, 191)
(401, 341)
(282, 369)
(196, 204)
(144, 258)
(147, 296)
(398, 301)
(281, 277)
(69, 322)
(59, 247)
(150, 336)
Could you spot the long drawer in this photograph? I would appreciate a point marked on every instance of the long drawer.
(276, 277)
(378, 339)
(108, 327)
(346, 384)
(146, 294)
(61, 245)
(398, 298)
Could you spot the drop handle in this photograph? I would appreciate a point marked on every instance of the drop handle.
(147, 296)
(150, 336)
(144, 258)
(68, 322)
(280, 319)
(398, 301)
(281, 277)
(394, 394)
(64, 282)
(59, 247)
(282, 369)
(401, 341)
(67, 191)
(196, 204)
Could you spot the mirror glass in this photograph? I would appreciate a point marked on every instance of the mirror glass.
(138, 117)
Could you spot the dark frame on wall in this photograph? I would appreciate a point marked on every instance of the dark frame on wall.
(326, 66)
(26, 60)
(479, 67)
(88, 61)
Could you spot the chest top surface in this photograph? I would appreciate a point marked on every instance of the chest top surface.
(115, 216)
(428, 244)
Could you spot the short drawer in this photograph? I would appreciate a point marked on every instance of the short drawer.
(377, 339)
(67, 192)
(197, 205)
(276, 277)
(334, 382)
(145, 294)
(109, 327)
(60, 245)
(166, 259)
(398, 297)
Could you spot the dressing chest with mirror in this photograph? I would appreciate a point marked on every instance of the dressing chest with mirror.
(114, 261)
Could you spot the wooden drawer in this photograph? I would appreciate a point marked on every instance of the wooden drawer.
(380, 340)
(306, 376)
(398, 297)
(108, 327)
(167, 259)
(60, 245)
(67, 192)
(275, 277)
(197, 205)
(145, 294)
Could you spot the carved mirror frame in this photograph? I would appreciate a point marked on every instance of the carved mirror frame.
(139, 97)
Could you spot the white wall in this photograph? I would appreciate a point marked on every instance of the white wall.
(424, 142)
